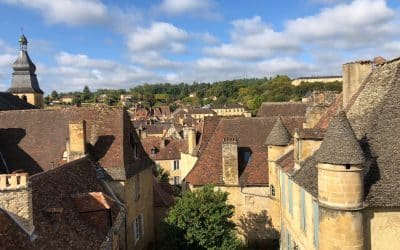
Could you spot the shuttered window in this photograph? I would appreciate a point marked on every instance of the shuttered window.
(303, 210)
(283, 190)
(316, 224)
(290, 191)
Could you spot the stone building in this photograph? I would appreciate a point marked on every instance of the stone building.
(174, 155)
(324, 79)
(76, 155)
(230, 110)
(335, 183)
(234, 160)
(24, 81)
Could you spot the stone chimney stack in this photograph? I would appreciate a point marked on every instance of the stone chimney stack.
(190, 136)
(16, 200)
(230, 161)
(77, 140)
(354, 74)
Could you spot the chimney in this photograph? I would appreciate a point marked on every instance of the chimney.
(190, 135)
(77, 140)
(230, 161)
(16, 200)
(353, 76)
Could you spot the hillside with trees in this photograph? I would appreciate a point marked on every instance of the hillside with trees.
(250, 92)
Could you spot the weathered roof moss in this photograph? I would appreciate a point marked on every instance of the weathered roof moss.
(340, 145)
(279, 136)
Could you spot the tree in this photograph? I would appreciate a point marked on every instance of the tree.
(86, 94)
(54, 95)
(161, 174)
(202, 220)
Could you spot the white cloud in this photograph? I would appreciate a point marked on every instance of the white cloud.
(159, 36)
(71, 12)
(345, 25)
(80, 60)
(253, 39)
(152, 59)
(198, 8)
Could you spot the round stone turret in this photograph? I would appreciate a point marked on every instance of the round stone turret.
(279, 136)
(340, 187)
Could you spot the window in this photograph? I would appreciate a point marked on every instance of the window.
(176, 180)
(246, 156)
(288, 241)
(176, 164)
(283, 190)
(290, 190)
(316, 223)
(136, 187)
(272, 190)
(303, 210)
(138, 227)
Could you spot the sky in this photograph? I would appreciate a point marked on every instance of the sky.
(121, 44)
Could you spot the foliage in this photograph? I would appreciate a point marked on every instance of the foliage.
(250, 92)
(161, 174)
(202, 220)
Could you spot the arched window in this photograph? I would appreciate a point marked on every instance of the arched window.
(24, 98)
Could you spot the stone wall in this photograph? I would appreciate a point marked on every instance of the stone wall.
(340, 229)
(34, 99)
(186, 164)
(143, 205)
(340, 187)
(382, 228)
(291, 222)
(230, 167)
(353, 76)
(16, 199)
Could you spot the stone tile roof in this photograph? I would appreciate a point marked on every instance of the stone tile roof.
(67, 229)
(171, 151)
(340, 145)
(374, 115)
(336, 105)
(286, 162)
(10, 102)
(307, 176)
(250, 133)
(279, 136)
(35, 140)
(157, 128)
(272, 109)
(375, 118)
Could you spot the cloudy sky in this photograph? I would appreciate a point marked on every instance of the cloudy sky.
(119, 44)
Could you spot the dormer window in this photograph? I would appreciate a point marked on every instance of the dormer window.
(153, 150)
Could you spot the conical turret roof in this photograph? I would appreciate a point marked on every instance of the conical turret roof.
(340, 145)
(279, 136)
(24, 79)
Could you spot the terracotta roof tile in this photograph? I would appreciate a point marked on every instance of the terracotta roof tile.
(250, 133)
(273, 109)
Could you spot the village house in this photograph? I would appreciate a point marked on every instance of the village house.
(335, 184)
(230, 110)
(73, 177)
(234, 160)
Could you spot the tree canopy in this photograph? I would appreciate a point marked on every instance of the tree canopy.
(202, 220)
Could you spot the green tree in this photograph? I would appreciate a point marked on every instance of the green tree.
(54, 95)
(86, 94)
(202, 220)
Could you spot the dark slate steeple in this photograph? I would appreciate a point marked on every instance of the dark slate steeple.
(340, 145)
(279, 136)
(24, 79)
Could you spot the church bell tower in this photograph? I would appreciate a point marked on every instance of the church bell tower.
(24, 81)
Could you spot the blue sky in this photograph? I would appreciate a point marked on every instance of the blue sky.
(119, 44)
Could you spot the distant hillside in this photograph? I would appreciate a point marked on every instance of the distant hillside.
(250, 92)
